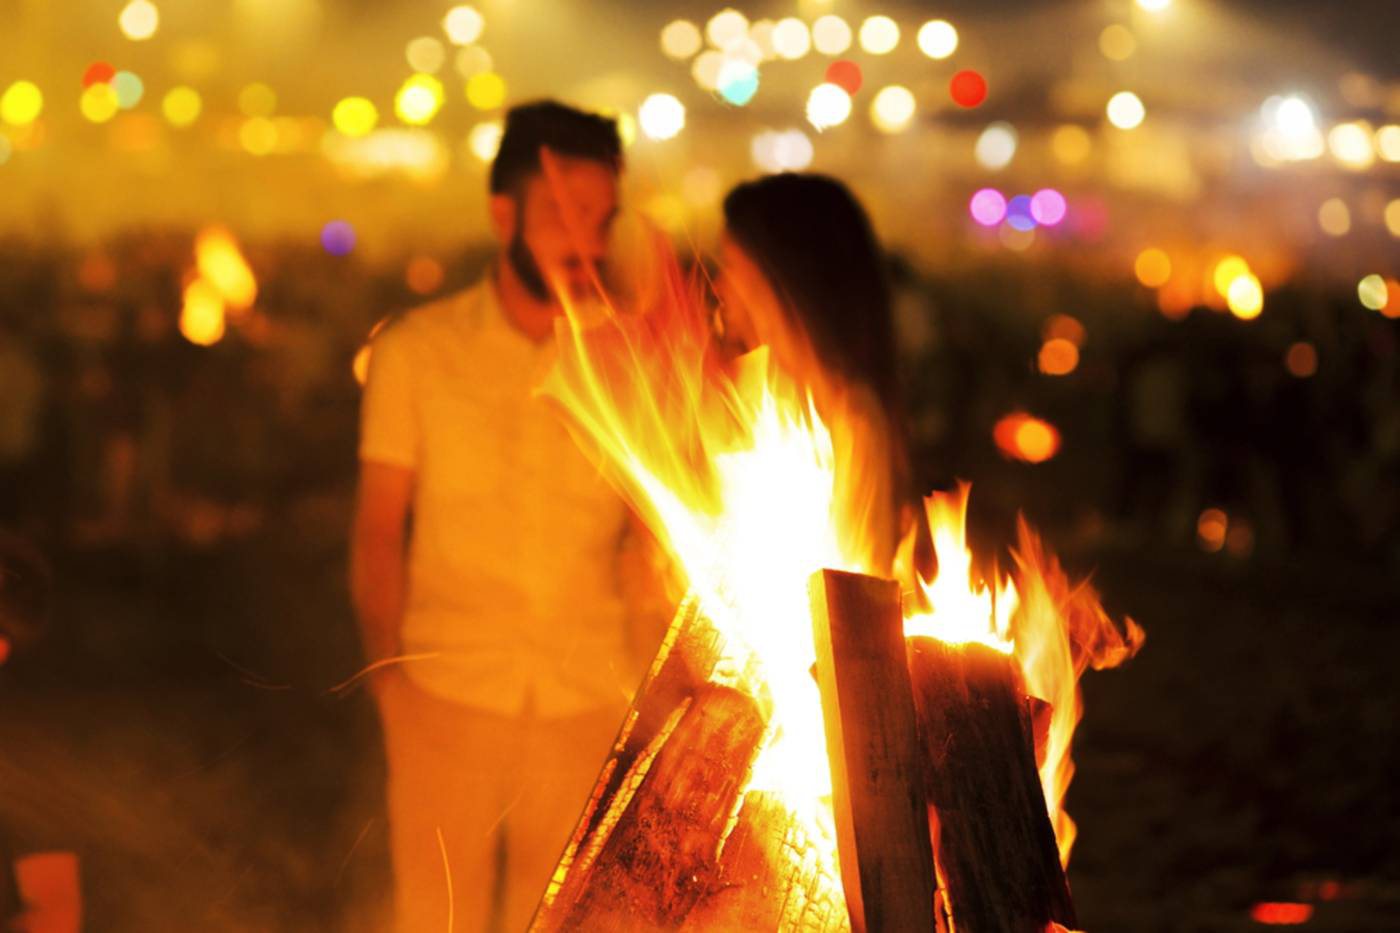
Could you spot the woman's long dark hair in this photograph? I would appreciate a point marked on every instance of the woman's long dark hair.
(813, 241)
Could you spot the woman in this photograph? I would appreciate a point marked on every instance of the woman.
(803, 275)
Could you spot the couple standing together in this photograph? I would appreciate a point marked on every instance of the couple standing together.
(489, 554)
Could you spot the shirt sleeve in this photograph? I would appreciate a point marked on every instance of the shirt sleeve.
(390, 428)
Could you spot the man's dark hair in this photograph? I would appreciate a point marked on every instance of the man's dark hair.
(565, 130)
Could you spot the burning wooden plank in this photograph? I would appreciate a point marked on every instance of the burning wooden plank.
(877, 785)
(994, 845)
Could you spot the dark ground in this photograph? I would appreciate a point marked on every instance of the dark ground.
(213, 782)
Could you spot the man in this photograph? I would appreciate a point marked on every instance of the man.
(505, 608)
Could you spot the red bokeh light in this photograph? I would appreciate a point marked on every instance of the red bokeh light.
(846, 75)
(968, 88)
(98, 73)
(1278, 913)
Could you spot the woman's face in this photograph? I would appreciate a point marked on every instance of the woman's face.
(752, 312)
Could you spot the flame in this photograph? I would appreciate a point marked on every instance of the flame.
(735, 471)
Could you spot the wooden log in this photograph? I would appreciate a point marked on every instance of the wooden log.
(661, 857)
(872, 741)
(994, 846)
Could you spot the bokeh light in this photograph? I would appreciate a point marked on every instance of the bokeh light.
(727, 28)
(996, 146)
(987, 207)
(761, 37)
(791, 38)
(355, 116)
(1071, 144)
(484, 140)
(1117, 42)
(1301, 359)
(706, 68)
(1211, 528)
(1245, 297)
(680, 39)
(1334, 217)
(1057, 357)
(463, 25)
(486, 91)
(938, 39)
(99, 103)
(662, 116)
(129, 89)
(418, 99)
(1290, 129)
(423, 275)
(181, 106)
(1125, 110)
(1388, 142)
(258, 136)
(1153, 267)
(892, 109)
(139, 20)
(879, 35)
(1018, 214)
(1024, 437)
(1064, 327)
(968, 88)
(257, 100)
(221, 265)
(828, 106)
(1048, 207)
(1373, 292)
(338, 238)
(782, 151)
(1226, 271)
(425, 54)
(831, 35)
(738, 82)
(1018, 239)
(1391, 308)
(98, 72)
(202, 314)
(472, 60)
(22, 103)
(846, 75)
(1351, 145)
(1392, 217)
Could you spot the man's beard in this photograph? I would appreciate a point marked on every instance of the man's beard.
(526, 269)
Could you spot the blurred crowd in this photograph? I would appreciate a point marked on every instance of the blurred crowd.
(1269, 438)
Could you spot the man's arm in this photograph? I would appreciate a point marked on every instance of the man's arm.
(378, 558)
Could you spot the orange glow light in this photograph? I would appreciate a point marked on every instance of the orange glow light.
(1281, 913)
(1153, 267)
(1211, 528)
(1024, 437)
(1058, 357)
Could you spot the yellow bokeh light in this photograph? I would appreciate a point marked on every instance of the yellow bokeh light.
(1245, 297)
(1373, 292)
(22, 103)
(355, 116)
(680, 39)
(1058, 357)
(1125, 110)
(1153, 267)
(181, 106)
(892, 109)
(791, 38)
(418, 100)
(1392, 217)
(473, 60)
(425, 54)
(257, 100)
(1301, 360)
(486, 91)
(938, 39)
(831, 35)
(706, 68)
(1154, 6)
(1071, 144)
(1211, 528)
(879, 35)
(222, 266)
(1351, 145)
(727, 28)
(828, 105)
(1226, 271)
(99, 103)
(1334, 217)
(202, 314)
(485, 139)
(661, 116)
(463, 25)
(258, 136)
(139, 20)
(1117, 42)
(1388, 142)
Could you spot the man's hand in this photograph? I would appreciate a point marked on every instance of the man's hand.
(377, 563)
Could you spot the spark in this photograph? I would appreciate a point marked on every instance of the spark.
(368, 669)
(447, 870)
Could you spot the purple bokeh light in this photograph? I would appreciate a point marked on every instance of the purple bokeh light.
(987, 207)
(338, 238)
(1018, 213)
